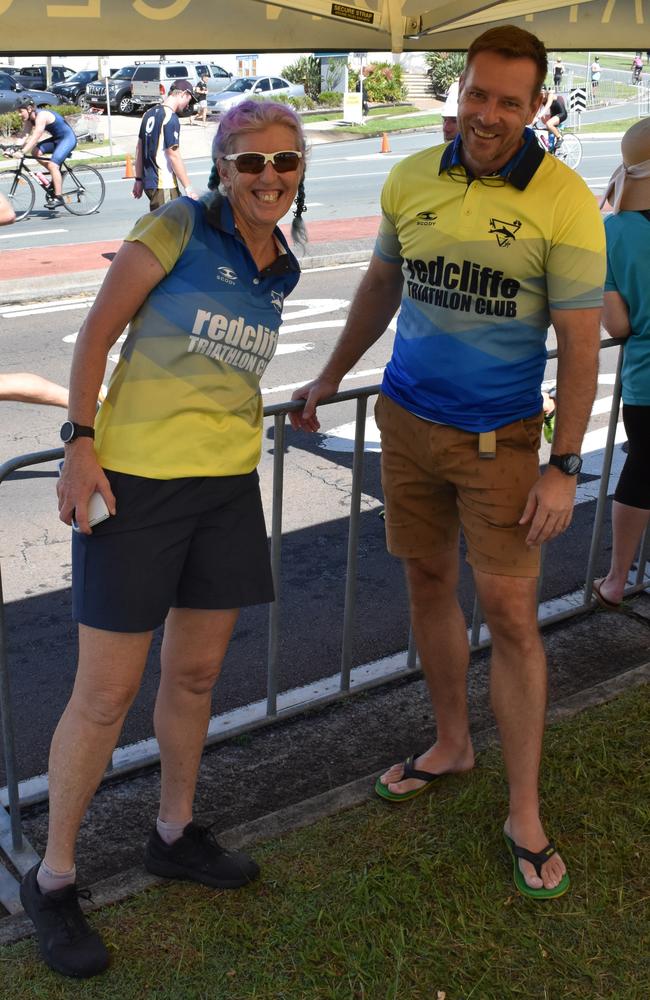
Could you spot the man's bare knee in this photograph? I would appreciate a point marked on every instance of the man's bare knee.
(432, 577)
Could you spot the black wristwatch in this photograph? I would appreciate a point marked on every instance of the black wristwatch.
(569, 464)
(71, 431)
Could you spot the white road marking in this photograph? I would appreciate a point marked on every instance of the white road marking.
(369, 372)
(303, 308)
(293, 348)
(36, 232)
(336, 267)
(59, 305)
(319, 324)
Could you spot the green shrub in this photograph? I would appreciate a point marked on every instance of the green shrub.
(383, 82)
(444, 68)
(303, 103)
(305, 70)
(331, 98)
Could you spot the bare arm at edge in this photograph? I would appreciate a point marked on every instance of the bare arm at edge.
(177, 165)
(376, 301)
(616, 318)
(135, 271)
(549, 508)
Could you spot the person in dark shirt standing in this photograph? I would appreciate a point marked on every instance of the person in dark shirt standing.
(158, 162)
(201, 95)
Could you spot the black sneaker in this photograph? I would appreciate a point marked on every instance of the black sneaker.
(54, 201)
(67, 942)
(197, 856)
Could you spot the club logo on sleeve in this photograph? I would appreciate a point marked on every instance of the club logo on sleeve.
(426, 219)
(277, 301)
(226, 274)
(505, 232)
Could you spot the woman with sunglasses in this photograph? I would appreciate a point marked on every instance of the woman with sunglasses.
(173, 455)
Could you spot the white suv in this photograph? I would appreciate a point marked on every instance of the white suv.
(152, 81)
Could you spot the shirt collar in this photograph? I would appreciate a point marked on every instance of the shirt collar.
(520, 168)
(220, 216)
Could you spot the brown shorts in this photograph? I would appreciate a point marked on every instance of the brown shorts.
(160, 197)
(435, 483)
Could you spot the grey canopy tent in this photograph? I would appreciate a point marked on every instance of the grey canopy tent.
(122, 26)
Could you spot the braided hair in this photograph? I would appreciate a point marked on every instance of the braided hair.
(298, 228)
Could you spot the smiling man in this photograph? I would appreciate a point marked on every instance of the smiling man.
(483, 242)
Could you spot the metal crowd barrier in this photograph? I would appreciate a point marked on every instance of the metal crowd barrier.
(11, 838)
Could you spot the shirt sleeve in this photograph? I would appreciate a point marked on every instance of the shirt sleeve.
(575, 270)
(610, 234)
(387, 246)
(171, 132)
(166, 232)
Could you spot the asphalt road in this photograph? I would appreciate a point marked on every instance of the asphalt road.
(344, 180)
(34, 545)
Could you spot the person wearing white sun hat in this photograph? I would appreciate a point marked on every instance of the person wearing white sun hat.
(626, 316)
(449, 112)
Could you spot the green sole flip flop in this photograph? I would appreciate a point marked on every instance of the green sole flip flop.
(409, 772)
(536, 859)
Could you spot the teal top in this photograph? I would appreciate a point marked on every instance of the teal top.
(628, 251)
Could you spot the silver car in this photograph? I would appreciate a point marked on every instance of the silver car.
(243, 87)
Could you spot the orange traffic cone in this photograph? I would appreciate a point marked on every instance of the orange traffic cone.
(129, 172)
(385, 145)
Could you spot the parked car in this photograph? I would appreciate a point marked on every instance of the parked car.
(35, 77)
(11, 91)
(152, 80)
(11, 70)
(73, 91)
(119, 91)
(243, 87)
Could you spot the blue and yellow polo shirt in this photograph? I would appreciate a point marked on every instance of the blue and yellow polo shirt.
(184, 399)
(484, 261)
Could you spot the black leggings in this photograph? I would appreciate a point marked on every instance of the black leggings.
(633, 488)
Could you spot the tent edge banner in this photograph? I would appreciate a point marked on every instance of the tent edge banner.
(223, 26)
(100, 26)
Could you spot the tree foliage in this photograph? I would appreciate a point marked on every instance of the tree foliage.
(444, 68)
(305, 70)
(383, 82)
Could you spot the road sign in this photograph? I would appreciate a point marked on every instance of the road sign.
(578, 99)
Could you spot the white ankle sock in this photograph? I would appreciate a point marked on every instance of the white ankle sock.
(170, 832)
(49, 880)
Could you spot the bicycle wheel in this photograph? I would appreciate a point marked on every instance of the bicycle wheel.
(19, 192)
(570, 151)
(83, 190)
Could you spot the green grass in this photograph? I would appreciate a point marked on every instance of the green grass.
(622, 125)
(333, 116)
(384, 903)
(623, 61)
(395, 124)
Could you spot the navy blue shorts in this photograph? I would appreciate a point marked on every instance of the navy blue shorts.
(59, 150)
(184, 543)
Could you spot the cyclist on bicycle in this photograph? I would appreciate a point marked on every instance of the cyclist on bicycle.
(637, 68)
(553, 113)
(47, 132)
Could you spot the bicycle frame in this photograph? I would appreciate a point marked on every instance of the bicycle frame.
(73, 186)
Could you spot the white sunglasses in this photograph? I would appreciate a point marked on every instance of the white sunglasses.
(253, 163)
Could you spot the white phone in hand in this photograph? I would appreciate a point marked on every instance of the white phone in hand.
(97, 509)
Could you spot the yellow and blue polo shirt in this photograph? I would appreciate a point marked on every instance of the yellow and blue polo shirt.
(484, 261)
(184, 399)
